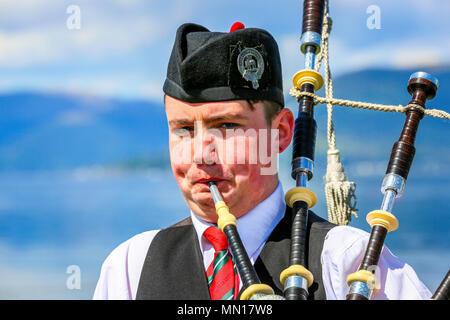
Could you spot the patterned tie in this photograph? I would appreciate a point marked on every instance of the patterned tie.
(223, 279)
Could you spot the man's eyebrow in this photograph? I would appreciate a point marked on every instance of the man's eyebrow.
(180, 122)
(227, 117)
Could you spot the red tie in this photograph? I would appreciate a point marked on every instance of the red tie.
(223, 279)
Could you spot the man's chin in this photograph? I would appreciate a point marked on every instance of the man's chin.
(203, 200)
(204, 208)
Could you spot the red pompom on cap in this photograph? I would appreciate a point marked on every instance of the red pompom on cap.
(237, 26)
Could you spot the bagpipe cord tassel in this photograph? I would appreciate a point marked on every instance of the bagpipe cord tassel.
(339, 192)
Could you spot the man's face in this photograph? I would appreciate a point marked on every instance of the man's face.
(229, 143)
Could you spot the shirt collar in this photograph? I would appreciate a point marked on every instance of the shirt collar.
(255, 226)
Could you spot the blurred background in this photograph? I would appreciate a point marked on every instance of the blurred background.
(83, 136)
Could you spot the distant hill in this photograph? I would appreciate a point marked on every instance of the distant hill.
(368, 135)
(47, 131)
(54, 131)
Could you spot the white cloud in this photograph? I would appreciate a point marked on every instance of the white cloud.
(75, 118)
(34, 34)
(26, 48)
(419, 6)
(152, 89)
(47, 45)
(27, 11)
(413, 56)
(108, 29)
(345, 58)
(395, 53)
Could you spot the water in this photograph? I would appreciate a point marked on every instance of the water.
(51, 220)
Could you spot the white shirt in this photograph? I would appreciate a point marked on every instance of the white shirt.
(342, 254)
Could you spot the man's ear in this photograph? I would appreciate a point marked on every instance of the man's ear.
(284, 122)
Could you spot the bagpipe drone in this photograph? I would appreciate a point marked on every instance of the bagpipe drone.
(296, 278)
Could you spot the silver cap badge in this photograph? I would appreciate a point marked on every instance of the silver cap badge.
(251, 65)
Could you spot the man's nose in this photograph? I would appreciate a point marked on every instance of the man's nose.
(205, 148)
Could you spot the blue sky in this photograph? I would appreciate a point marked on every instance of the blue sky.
(122, 46)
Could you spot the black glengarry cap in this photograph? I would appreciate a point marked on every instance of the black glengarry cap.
(210, 66)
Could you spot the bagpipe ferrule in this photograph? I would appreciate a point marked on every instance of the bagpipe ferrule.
(425, 83)
(300, 194)
(296, 281)
(382, 218)
(308, 76)
(255, 291)
(425, 75)
(361, 288)
(296, 271)
(303, 164)
(363, 282)
(310, 38)
(392, 181)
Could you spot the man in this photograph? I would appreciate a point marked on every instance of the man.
(220, 87)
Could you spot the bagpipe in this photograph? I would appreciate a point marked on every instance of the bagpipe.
(296, 278)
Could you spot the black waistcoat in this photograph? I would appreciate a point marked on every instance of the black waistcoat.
(174, 270)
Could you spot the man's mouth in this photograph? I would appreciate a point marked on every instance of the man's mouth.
(206, 181)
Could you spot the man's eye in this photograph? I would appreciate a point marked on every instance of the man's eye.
(184, 131)
(229, 125)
